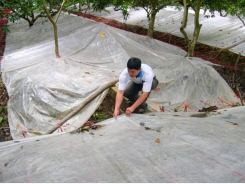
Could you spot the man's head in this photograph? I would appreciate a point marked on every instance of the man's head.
(134, 67)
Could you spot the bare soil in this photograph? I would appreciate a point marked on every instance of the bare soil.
(233, 73)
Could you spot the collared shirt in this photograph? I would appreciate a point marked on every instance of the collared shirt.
(145, 77)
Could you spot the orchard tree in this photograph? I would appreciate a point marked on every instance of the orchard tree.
(69, 6)
(235, 8)
(152, 7)
(54, 20)
(196, 6)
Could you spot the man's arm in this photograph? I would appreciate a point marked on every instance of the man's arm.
(139, 101)
(118, 102)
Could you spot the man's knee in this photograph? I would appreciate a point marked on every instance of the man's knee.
(154, 83)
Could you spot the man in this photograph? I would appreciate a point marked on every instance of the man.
(142, 78)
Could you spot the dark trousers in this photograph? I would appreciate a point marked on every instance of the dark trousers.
(132, 90)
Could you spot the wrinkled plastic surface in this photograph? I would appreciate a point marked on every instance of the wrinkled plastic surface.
(150, 148)
(44, 89)
(217, 31)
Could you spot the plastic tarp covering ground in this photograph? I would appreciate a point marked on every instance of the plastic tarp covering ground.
(44, 89)
(217, 31)
(156, 147)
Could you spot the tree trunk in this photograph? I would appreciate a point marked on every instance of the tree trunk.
(54, 22)
(30, 23)
(56, 41)
(79, 9)
(184, 22)
(151, 23)
(101, 89)
(192, 43)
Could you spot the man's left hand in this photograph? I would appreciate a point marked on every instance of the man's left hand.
(129, 110)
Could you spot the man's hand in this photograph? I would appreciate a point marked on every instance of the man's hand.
(116, 113)
(129, 110)
(119, 99)
(139, 101)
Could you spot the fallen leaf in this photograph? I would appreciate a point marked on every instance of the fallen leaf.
(17, 126)
(157, 140)
(234, 123)
(5, 164)
(87, 72)
(176, 115)
(0, 172)
(35, 129)
(86, 128)
(102, 34)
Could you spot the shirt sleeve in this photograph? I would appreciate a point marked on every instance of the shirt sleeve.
(122, 81)
(147, 83)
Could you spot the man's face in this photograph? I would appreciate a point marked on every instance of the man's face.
(133, 72)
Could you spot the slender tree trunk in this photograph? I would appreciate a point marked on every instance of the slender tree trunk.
(152, 18)
(192, 43)
(56, 40)
(151, 24)
(54, 22)
(30, 23)
(88, 4)
(184, 22)
(79, 9)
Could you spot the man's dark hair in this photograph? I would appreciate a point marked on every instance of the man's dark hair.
(134, 63)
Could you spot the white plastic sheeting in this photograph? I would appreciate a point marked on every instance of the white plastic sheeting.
(217, 31)
(43, 89)
(191, 150)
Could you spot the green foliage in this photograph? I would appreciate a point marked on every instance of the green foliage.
(237, 8)
(29, 10)
(1, 119)
(5, 29)
(232, 7)
(101, 117)
(123, 6)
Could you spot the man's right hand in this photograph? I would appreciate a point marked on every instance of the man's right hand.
(119, 99)
(116, 113)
